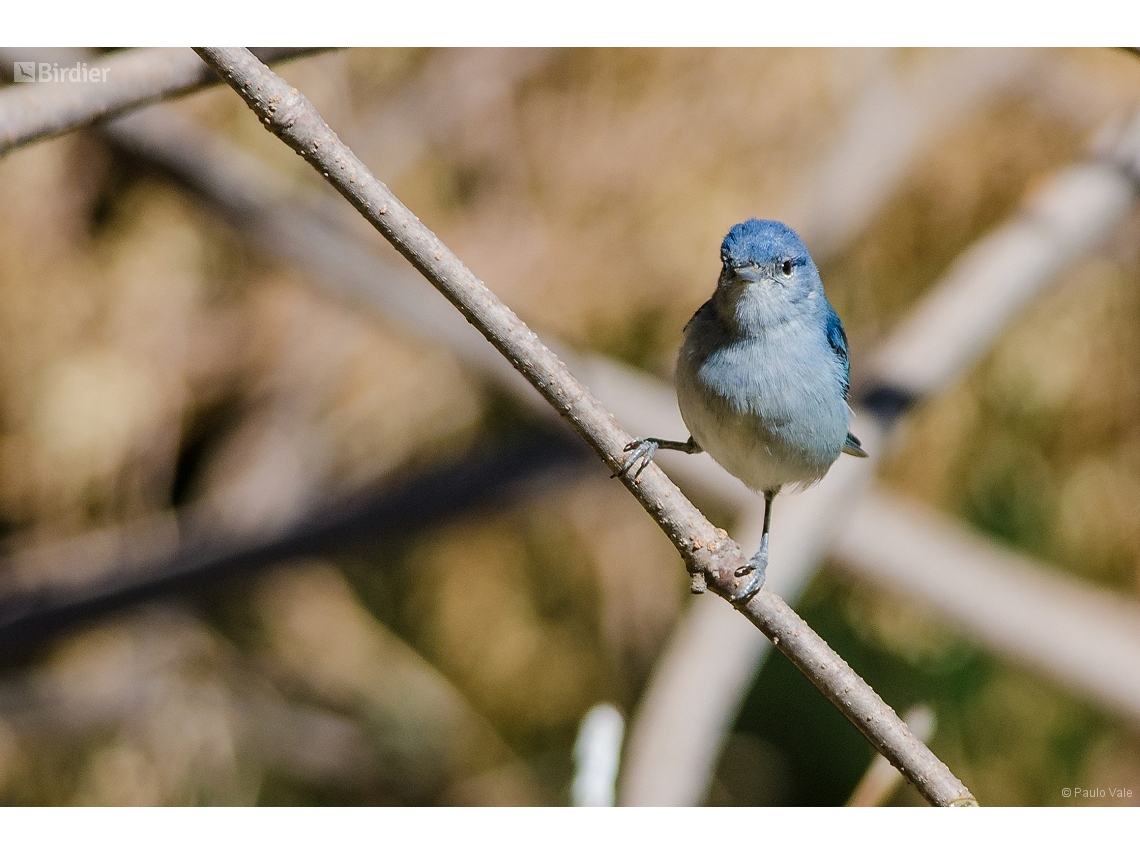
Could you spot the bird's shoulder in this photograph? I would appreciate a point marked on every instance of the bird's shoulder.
(704, 316)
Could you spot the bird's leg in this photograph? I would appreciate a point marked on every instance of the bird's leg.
(757, 566)
(644, 448)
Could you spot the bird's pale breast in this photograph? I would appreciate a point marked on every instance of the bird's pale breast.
(767, 408)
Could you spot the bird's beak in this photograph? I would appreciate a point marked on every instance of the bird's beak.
(750, 272)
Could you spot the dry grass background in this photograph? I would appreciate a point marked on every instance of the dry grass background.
(149, 357)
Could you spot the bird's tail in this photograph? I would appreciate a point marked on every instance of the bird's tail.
(853, 447)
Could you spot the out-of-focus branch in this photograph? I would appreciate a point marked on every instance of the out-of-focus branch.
(1082, 636)
(597, 752)
(959, 319)
(849, 186)
(49, 589)
(292, 224)
(430, 732)
(125, 81)
(707, 551)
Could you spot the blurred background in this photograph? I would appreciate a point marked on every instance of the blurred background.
(261, 546)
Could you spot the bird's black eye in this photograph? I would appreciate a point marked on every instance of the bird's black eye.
(787, 267)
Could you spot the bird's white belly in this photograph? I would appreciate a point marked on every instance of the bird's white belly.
(740, 444)
(766, 418)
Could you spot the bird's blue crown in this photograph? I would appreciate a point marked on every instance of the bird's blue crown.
(761, 241)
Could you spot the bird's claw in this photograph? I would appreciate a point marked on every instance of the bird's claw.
(756, 569)
(643, 451)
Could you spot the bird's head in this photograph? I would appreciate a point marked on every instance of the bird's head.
(767, 274)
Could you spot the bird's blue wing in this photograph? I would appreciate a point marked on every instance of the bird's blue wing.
(837, 338)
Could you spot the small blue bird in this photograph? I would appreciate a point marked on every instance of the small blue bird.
(763, 376)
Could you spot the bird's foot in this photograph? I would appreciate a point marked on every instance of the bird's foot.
(756, 570)
(643, 451)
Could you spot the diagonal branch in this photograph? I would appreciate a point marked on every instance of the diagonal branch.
(708, 552)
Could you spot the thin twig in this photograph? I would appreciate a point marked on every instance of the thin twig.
(125, 81)
(707, 551)
(881, 779)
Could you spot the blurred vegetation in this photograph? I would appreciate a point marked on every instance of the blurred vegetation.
(150, 359)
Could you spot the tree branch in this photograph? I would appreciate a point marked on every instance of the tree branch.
(127, 81)
(708, 551)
